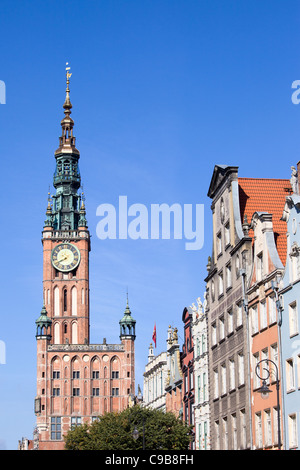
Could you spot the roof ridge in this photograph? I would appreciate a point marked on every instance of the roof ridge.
(264, 179)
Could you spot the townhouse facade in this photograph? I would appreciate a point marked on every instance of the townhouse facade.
(288, 289)
(264, 331)
(155, 377)
(201, 404)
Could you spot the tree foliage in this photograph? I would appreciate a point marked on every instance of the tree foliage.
(114, 431)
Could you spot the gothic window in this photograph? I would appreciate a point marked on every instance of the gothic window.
(56, 334)
(56, 301)
(74, 301)
(74, 333)
(65, 300)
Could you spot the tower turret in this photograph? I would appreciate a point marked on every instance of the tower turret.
(127, 324)
(43, 325)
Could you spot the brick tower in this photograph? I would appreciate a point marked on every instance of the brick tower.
(76, 381)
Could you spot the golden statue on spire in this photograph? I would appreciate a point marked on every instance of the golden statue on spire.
(68, 74)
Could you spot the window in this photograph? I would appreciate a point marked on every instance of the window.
(75, 421)
(223, 379)
(212, 290)
(239, 315)
(115, 374)
(219, 244)
(227, 234)
(204, 386)
(198, 387)
(290, 377)
(186, 383)
(230, 321)
(214, 334)
(293, 319)
(254, 319)
(259, 267)
(95, 374)
(263, 315)
(231, 374)
(274, 354)
(241, 369)
(266, 364)
(256, 380)
(96, 392)
(221, 328)
(76, 392)
(203, 337)
(258, 431)
(216, 383)
(237, 266)
(202, 435)
(234, 431)
(225, 433)
(268, 428)
(275, 425)
(76, 374)
(55, 428)
(243, 429)
(56, 392)
(217, 434)
(191, 377)
(228, 276)
(56, 374)
(220, 282)
(292, 431)
(115, 392)
(65, 300)
(272, 310)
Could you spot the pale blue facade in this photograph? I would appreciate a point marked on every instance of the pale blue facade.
(289, 295)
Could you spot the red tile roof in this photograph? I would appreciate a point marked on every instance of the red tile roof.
(266, 195)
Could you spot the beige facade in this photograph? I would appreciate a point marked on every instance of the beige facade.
(227, 322)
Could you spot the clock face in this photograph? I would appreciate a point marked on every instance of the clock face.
(65, 257)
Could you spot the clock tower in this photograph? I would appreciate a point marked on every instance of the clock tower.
(66, 243)
(76, 381)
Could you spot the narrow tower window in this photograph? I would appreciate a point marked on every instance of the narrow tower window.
(65, 300)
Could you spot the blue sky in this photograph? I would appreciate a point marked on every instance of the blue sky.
(162, 91)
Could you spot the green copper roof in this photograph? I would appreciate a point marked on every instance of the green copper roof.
(43, 318)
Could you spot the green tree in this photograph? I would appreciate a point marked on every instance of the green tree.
(114, 431)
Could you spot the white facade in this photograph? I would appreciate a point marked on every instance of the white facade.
(201, 405)
(155, 375)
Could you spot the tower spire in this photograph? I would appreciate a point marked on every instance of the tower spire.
(67, 140)
(67, 212)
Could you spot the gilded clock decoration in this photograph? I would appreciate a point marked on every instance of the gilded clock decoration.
(65, 257)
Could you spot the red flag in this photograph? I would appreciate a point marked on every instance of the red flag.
(154, 335)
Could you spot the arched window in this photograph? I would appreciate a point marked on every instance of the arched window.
(56, 334)
(56, 302)
(65, 300)
(74, 301)
(74, 333)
